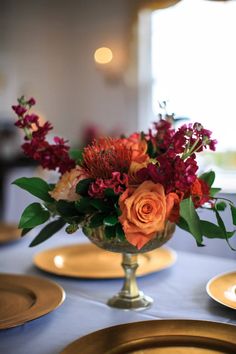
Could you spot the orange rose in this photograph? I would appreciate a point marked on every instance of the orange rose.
(65, 188)
(134, 168)
(172, 207)
(143, 212)
(138, 147)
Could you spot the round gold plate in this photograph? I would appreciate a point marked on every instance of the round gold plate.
(159, 337)
(222, 289)
(89, 261)
(9, 233)
(24, 298)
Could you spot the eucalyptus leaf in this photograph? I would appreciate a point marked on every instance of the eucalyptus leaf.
(33, 215)
(35, 186)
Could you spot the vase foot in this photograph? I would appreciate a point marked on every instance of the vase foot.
(138, 303)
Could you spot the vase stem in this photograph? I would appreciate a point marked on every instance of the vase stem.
(130, 297)
(130, 265)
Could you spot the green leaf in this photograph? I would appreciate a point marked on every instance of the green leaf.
(76, 155)
(189, 214)
(208, 177)
(214, 191)
(110, 220)
(110, 231)
(100, 204)
(36, 186)
(34, 215)
(83, 205)
(109, 192)
(66, 209)
(221, 206)
(25, 231)
(83, 186)
(97, 220)
(233, 213)
(118, 211)
(120, 232)
(183, 224)
(222, 226)
(211, 230)
(48, 231)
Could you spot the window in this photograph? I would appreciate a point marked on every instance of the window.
(193, 68)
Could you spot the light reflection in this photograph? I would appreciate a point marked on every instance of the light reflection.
(59, 261)
(230, 294)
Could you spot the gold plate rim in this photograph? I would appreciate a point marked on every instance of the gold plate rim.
(39, 262)
(39, 287)
(10, 234)
(110, 339)
(211, 282)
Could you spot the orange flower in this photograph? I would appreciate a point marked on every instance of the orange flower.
(134, 168)
(143, 212)
(172, 207)
(138, 147)
(65, 188)
(200, 192)
(105, 156)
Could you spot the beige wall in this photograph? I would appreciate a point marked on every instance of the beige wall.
(46, 51)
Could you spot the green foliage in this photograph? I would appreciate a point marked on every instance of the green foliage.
(214, 191)
(83, 186)
(33, 215)
(233, 213)
(221, 206)
(84, 205)
(36, 186)
(25, 231)
(208, 177)
(77, 155)
(110, 232)
(110, 220)
(120, 232)
(97, 220)
(48, 231)
(191, 218)
(211, 230)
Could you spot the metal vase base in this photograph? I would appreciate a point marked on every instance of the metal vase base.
(139, 303)
(130, 298)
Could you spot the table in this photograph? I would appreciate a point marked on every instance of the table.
(178, 292)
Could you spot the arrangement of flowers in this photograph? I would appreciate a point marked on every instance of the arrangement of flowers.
(132, 186)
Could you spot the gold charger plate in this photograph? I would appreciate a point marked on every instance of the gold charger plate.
(24, 298)
(9, 232)
(159, 337)
(222, 289)
(89, 261)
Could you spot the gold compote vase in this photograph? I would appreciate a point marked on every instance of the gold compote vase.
(129, 297)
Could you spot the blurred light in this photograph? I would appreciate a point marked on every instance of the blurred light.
(103, 55)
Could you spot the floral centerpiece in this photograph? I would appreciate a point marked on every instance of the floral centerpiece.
(131, 187)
